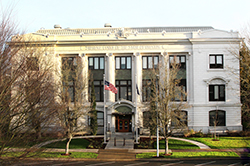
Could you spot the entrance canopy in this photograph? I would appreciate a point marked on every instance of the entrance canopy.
(123, 110)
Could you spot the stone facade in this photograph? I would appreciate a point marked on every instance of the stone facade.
(201, 47)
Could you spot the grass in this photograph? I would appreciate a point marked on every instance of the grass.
(225, 142)
(190, 154)
(74, 144)
(53, 155)
(176, 144)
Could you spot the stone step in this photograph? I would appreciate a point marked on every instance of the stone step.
(115, 154)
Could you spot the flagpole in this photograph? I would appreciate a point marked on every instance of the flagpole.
(104, 109)
(136, 114)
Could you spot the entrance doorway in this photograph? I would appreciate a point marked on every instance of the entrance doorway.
(123, 123)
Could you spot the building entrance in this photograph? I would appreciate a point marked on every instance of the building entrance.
(123, 123)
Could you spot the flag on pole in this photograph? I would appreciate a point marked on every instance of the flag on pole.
(110, 87)
(137, 90)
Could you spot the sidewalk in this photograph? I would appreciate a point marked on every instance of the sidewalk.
(121, 141)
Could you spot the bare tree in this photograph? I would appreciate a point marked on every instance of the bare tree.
(73, 106)
(25, 98)
(170, 98)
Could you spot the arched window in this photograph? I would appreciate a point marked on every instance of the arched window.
(181, 119)
(217, 117)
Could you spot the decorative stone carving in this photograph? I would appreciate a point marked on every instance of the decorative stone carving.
(122, 33)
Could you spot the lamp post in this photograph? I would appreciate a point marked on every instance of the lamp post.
(157, 127)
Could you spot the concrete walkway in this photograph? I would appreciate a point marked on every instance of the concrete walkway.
(117, 141)
(201, 145)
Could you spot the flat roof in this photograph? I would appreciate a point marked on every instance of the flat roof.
(105, 30)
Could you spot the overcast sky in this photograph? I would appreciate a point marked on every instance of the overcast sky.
(220, 14)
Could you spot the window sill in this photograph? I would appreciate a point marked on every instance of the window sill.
(216, 70)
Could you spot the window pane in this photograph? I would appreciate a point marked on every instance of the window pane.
(75, 62)
(216, 92)
(71, 93)
(222, 91)
(128, 62)
(129, 94)
(97, 93)
(123, 62)
(171, 59)
(90, 61)
(100, 115)
(100, 122)
(155, 61)
(150, 62)
(96, 82)
(123, 83)
(101, 63)
(96, 63)
(117, 62)
(177, 59)
(219, 59)
(144, 62)
(183, 59)
(212, 59)
(123, 92)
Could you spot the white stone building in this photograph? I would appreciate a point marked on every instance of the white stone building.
(124, 54)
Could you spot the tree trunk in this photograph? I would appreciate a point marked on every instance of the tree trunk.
(166, 145)
(67, 145)
(149, 142)
(38, 131)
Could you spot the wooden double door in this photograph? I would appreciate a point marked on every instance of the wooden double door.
(123, 123)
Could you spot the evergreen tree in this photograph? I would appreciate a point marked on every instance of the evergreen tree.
(93, 112)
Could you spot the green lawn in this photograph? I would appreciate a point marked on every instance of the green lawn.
(225, 142)
(190, 154)
(176, 144)
(74, 144)
(53, 155)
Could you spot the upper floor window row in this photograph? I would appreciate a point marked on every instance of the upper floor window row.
(96, 63)
(150, 62)
(216, 61)
(123, 62)
(179, 59)
(69, 63)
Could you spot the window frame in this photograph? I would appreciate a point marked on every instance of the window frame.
(182, 83)
(127, 66)
(100, 86)
(182, 64)
(216, 65)
(147, 62)
(32, 63)
(212, 93)
(118, 85)
(183, 121)
(211, 120)
(94, 58)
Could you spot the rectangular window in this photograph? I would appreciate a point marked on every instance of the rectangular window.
(146, 90)
(98, 86)
(216, 92)
(181, 92)
(178, 59)
(69, 78)
(100, 118)
(216, 61)
(150, 62)
(96, 63)
(32, 63)
(123, 62)
(124, 89)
